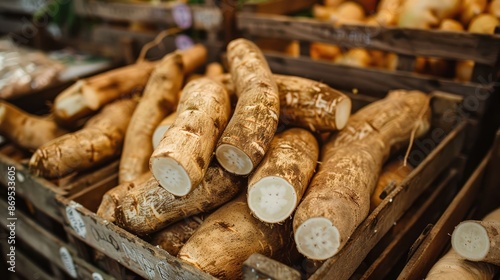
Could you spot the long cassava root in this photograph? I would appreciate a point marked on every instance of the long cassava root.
(338, 197)
(278, 183)
(453, 266)
(25, 130)
(182, 157)
(160, 98)
(307, 103)
(149, 207)
(255, 119)
(479, 240)
(230, 235)
(101, 139)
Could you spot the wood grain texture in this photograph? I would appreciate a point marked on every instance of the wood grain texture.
(413, 42)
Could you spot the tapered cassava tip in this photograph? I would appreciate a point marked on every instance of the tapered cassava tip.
(342, 113)
(272, 199)
(171, 176)
(317, 238)
(470, 240)
(233, 159)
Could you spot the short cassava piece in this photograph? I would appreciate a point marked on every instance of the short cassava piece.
(255, 119)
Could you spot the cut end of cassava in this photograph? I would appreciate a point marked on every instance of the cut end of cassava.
(272, 199)
(171, 176)
(233, 159)
(70, 106)
(317, 238)
(342, 113)
(471, 241)
(158, 134)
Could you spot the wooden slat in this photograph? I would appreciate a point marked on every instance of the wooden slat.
(408, 228)
(138, 11)
(492, 180)
(436, 240)
(278, 7)
(40, 192)
(129, 250)
(258, 266)
(378, 82)
(378, 223)
(29, 269)
(414, 42)
(43, 242)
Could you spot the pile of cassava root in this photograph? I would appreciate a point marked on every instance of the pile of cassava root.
(216, 167)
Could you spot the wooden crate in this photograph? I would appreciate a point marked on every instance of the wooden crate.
(479, 195)
(31, 238)
(278, 7)
(41, 192)
(407, 43)
(154, 263)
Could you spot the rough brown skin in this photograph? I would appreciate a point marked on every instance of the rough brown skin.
(112, 198)
(307, 103)
(454, 266)
(187, 146)
(173, 237)
(255, 119)
(338, 197)
(101, 139)
(149, 207)
(229, 236)
(159, 99)
(25, 130)
(311, 104)
(477, 240)
(393, 173)
(276, 186)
